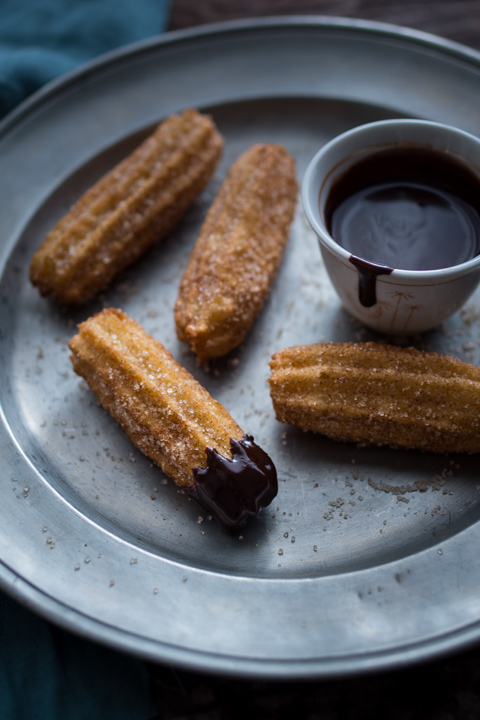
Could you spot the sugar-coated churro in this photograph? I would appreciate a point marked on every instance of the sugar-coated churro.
(133, 206)
(238, 252)
(172, 418)
(379, 395)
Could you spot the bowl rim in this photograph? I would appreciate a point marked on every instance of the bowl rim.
(311, 189)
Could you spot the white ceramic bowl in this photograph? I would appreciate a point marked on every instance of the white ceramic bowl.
(407, 301)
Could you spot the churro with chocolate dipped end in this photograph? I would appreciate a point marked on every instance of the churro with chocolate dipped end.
(133, 206)
(238, 252)
(170, 417)
(379, 395)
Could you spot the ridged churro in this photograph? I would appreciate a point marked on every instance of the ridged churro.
(379, 395)
(238, 252)
(170, 417)
(133, 206)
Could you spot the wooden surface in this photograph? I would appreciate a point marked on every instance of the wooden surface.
(446, 689)
(457, 20)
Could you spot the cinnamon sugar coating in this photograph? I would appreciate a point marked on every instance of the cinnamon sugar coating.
(166, 413)
(379, 395)
(238, 252)
(124, 213)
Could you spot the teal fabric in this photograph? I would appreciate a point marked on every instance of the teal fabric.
(42, 39)
(47, 673)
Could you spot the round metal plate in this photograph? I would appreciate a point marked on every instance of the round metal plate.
(367, 558)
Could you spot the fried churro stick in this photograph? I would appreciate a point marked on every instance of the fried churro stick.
(130, 208)
(172, 418)
(379, 395)
(238, 252)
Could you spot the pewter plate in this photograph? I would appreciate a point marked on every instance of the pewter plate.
(367, 558)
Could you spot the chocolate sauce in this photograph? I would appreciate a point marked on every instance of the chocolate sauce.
(406, 207)
(232, 490)
(367, 279)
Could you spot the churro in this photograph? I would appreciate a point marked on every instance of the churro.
(172, 418)
(238, 252)
(133, 206)
(379, 395)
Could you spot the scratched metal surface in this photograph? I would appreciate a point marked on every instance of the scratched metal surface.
(367, 557)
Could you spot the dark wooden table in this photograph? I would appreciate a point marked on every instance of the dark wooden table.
(446, 689)
(457, 20)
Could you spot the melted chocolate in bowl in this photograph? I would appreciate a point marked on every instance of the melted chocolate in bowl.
(406, 208)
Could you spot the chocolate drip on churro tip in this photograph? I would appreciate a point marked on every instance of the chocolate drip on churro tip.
(232, 490)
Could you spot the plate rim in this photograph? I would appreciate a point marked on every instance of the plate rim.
(112, 57)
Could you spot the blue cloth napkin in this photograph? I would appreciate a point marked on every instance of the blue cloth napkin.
(42, 39)
(47, 673)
